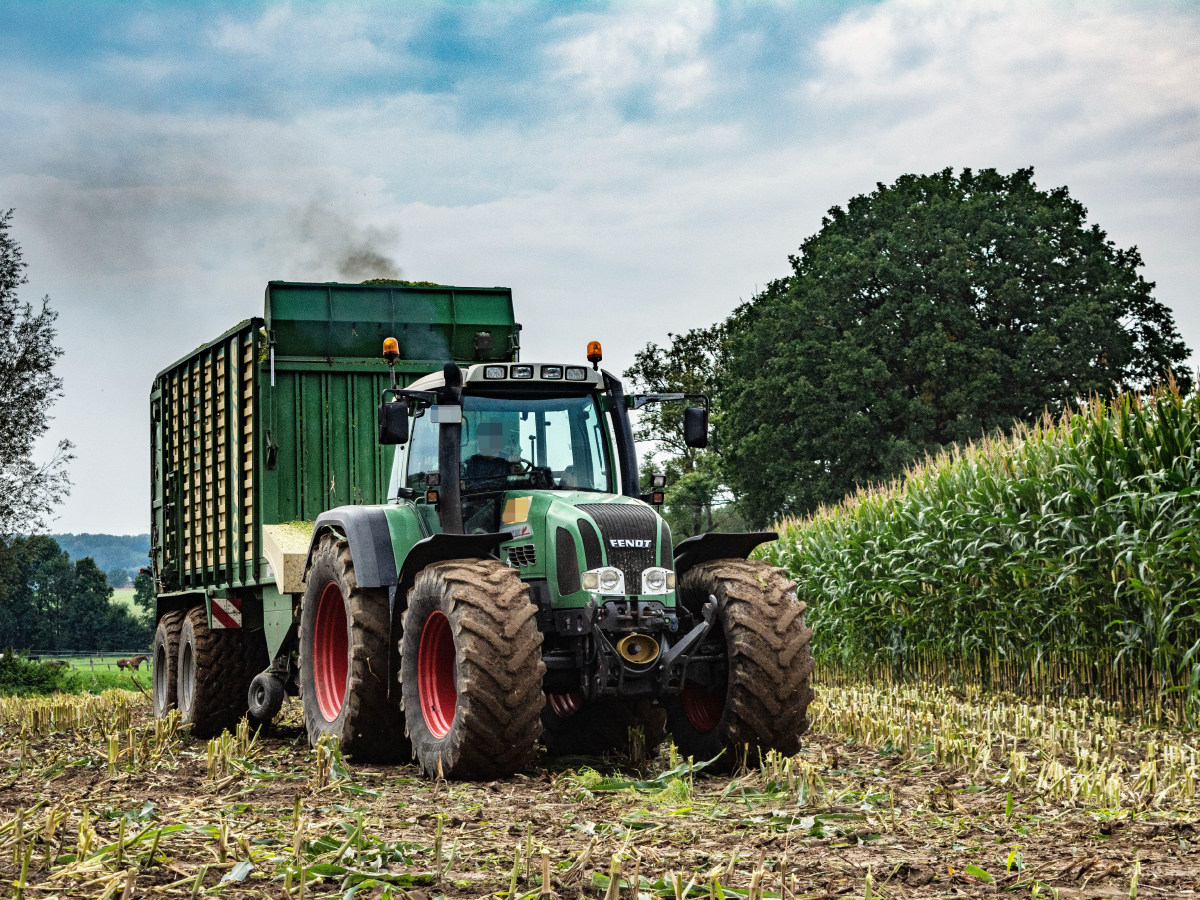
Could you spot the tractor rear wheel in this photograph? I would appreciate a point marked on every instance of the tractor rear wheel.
(344, 659)
(573, 727)
(471, 670)
(761, 697)
(164, 679)
(214, 671)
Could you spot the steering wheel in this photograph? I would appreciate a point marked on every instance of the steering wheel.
(521, 466)
(539, 476)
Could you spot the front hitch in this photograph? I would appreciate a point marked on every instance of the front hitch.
(675, 661)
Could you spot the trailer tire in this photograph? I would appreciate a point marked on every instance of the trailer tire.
(767, 691)
(344, 659)
(265, 698)
(214, 672)
(164, 678)
(599, 727)
(471, 670)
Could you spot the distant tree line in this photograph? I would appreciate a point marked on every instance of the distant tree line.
(128, 552)
(49, 603)
(928, 313)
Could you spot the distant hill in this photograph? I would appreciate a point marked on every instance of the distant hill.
(110, 551)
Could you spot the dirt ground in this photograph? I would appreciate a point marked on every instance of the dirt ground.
(868, 825)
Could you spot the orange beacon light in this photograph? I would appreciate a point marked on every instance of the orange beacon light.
(593, 354)
(391, 349)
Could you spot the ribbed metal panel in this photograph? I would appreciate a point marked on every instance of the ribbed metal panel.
(666, 549)
(593, 556)
(567, 562)
(523, 555)
(629, 522)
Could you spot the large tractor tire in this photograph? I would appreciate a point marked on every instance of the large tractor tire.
(471, 670)
(164, 678)
(573, 727)
(214, 671)
(344, 659)
(764, 700)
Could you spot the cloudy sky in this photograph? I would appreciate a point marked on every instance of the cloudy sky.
(628, 169)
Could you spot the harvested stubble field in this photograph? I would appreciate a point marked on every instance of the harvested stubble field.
(898, 793)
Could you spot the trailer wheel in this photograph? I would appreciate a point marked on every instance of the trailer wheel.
(164, 680)
(214, 672)
(760, 697)
(344, 659)
(471, 670)
(573, 727)
(265, 698)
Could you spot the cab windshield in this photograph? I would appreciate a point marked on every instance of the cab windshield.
(519, 444)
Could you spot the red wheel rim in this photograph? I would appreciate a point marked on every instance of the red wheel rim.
(436, 674)
(703, 709)
(331, 652)
(565, 705)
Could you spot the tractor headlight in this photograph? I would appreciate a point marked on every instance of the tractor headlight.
(657, 581)
(610, 580)
(606, 580)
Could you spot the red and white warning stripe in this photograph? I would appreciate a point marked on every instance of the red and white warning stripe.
(226, 612)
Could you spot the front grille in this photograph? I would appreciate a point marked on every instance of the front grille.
(592, 557)
(524, 555)
(566, 562)
(626, 521)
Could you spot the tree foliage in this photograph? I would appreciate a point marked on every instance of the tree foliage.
(110, 551)
(144, 596)
(49, 603)
(697, 499)
(28, 387)
(929, 312)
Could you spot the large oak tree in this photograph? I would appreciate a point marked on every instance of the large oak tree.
(931, 311)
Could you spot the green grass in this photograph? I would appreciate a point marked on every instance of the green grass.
(124, 596)
(93, 663)
(20, 677)
(80, 681)
(1063, 558)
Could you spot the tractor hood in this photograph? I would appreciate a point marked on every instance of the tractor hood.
(559, 535)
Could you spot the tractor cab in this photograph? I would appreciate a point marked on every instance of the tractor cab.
(521, 429)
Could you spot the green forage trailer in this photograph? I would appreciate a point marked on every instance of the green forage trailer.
(367, 499)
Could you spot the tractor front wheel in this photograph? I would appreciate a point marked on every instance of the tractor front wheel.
(344, 659)
(761, 698)
(471, 670)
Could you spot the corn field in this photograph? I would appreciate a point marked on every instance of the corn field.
(1059, 560)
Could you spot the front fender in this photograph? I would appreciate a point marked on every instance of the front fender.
(717, 545)
(366, 528)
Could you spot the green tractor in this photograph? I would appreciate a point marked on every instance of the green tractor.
(517, 584)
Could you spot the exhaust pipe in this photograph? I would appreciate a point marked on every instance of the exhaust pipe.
(638, 648)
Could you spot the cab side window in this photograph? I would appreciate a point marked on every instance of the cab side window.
(422, 455)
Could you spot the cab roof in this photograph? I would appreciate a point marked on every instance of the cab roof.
(543, 375)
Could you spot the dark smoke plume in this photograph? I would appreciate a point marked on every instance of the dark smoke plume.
(336, 243)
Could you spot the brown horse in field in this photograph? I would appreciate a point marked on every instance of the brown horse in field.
(132, 663)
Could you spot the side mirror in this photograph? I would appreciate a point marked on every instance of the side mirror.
(695, 427)
(393, 422)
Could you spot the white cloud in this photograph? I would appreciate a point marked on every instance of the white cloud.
(657, 50)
